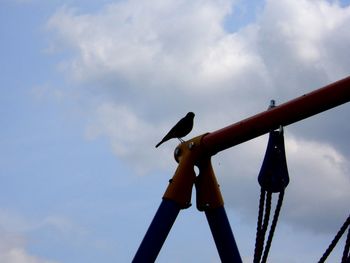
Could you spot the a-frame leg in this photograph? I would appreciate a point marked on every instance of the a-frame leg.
(157, 232)
(223, 236)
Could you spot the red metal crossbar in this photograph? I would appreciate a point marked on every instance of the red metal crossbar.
(287, 113)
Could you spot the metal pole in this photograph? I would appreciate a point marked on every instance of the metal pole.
(292, 111)
(223, 236)
(157, 232)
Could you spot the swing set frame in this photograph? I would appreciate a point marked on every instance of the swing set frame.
(198, 152)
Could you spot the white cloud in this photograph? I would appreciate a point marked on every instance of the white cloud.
(320, 186)
(19, 255)
(13, 241)
(145, 54)
(144, 43)
(129, 134)
(301, 42)
(143, 65)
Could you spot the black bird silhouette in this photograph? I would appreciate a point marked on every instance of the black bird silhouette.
(181, 129)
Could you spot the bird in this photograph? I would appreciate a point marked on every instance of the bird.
(181, 129)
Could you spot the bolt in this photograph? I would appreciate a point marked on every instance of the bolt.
(177, 153)
(191, 145)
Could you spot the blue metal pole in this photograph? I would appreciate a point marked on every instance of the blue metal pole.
(157, 232)
(223, 236)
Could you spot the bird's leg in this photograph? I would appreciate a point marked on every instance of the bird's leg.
(181, 140)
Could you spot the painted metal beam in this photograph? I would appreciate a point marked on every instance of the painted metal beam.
(287, 113)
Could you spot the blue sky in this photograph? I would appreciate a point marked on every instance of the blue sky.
(89, 87)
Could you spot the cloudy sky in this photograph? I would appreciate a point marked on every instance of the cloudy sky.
(89, 87)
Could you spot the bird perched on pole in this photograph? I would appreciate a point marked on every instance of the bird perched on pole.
(181, 129)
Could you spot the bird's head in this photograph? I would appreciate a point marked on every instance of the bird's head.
(190, 114)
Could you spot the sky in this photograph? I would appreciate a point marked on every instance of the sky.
(89, 87)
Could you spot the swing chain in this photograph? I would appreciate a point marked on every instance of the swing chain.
(273, 178)
(261, 253)
(346, 257)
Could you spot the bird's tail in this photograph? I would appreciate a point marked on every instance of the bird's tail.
(159, 143)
